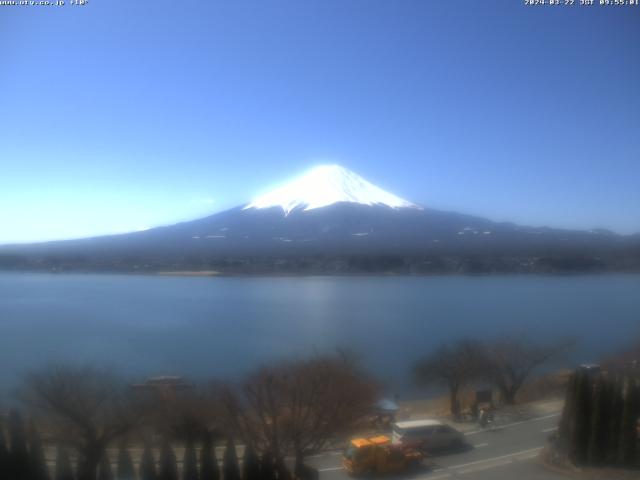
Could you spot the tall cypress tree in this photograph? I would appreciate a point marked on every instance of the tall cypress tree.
(125, 470)
(208, 462)
(230, 468)
(599, 420)
(4, 456)
(636, 416)
(567, 420)
(148, 464)
(599, 426)
(302, 471)
(39, 469)
(250, 464)
(579, 443)
(282, 473)
(168, 465)
(615, 420)
(19, 460)
(628, 435)
(267, 466)
(63, 470)
(104, 469)
(636, 453)
(189, 462)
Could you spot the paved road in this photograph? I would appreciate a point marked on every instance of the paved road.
(507, 453)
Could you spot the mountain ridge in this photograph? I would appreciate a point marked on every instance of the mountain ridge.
(343, 219)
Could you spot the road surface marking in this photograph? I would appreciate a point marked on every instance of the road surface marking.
(480, 445)
(325, 454)
(499, 463)
(499, 427)
(547, 430)
(476, 466)
(479, 468)
(330, 469)
(493, 459)
(442, 475)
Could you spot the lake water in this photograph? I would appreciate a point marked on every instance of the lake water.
(222, 327)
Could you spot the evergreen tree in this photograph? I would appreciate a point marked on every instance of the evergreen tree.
(298, 467)
(63, 470)
(104, 469)
(39, 469)
(189, 462)
(208, 462)
(267, 466)
(168, 465)
(615, 420)
(19, 460)
(230, 468)
(250, 464)
(579, 443)
(4, 456)
(567, 421)
(147, 464)
(302, 471)
(599, 425)
(281, 471)
(628, 435)
(125, 470)
(635, 456)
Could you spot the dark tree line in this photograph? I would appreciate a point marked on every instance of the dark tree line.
(22, 457)
(25, 460)
(599, 424)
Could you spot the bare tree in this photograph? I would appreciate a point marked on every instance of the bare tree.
(453, 366)
(183, 413)
(627, 361)
(84, 407)
(326, 397)
(300, 406)
(510, 361)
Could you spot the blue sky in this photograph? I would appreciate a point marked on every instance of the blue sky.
(122, 115)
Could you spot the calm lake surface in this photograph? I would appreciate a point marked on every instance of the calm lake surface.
(222, 327)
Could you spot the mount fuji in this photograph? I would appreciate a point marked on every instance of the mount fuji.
(325, 185)
(331, 220)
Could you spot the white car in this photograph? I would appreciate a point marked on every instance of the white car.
(426, 434)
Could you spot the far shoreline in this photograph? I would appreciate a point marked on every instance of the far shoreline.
(188, 273)
(284, 274)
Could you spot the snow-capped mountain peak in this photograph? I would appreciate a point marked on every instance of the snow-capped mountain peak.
(325, 185)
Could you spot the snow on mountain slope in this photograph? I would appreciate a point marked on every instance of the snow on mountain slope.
(325, 185)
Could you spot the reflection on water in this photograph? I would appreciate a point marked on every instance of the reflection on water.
(224, 326)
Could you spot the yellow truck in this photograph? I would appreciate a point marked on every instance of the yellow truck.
(377, 456)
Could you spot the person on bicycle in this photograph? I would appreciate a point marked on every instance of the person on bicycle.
(482, 418)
